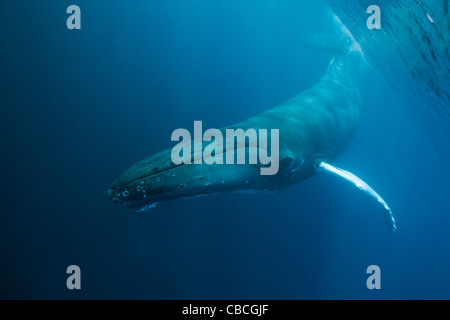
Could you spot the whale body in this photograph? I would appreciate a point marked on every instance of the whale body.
(314, 128)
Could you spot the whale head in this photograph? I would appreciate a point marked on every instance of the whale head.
(157, 178)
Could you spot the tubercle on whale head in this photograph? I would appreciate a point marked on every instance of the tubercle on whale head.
(134, 193)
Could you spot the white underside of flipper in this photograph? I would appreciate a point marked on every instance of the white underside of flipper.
(361, 185)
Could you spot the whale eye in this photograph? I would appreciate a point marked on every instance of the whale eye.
(158, 179)
(125, 193)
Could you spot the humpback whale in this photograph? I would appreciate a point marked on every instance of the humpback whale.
(314, 128)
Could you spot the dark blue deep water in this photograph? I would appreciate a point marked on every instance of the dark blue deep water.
(78, 107)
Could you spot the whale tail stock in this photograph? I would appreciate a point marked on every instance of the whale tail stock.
(341, 44)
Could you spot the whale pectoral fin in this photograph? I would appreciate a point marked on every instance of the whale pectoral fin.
(361, 185)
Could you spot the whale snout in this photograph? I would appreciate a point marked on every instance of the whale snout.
(113, 194)
(110, 194)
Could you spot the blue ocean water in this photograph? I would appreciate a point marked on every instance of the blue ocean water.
(78, 107)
